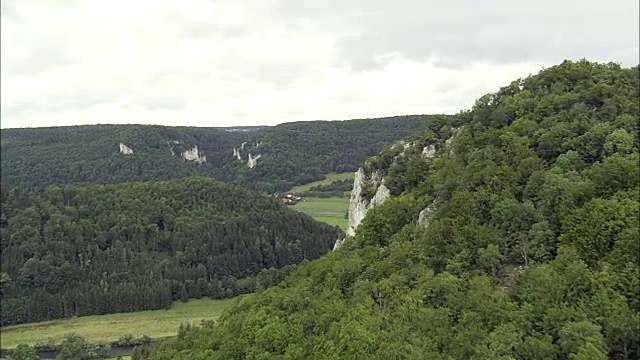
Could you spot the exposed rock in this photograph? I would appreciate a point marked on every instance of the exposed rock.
(338, 243)
(427, 214)
(253, 161)
(447, 143)
(382, 194)
(195, 155)
(242, 145)
(358, 204)
(236, 154)
(124, 149)
(429, 151)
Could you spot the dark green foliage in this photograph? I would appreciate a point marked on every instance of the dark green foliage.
(291, 153)
(118, 248)
(338, 188)
(529, 251)
(23, 352)
(302, 152)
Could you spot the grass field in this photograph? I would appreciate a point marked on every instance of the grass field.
(154, 323)
(327, 210)
(331, 177)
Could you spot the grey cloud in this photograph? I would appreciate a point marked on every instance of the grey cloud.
(158, 104)
(199, 30)
(43, 54)
(63, 101)
(462, 32)
(8, 10)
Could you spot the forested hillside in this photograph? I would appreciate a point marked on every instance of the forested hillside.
(301, 152)
(518, 239)
(101, 249)
(284, 155)
(82, 155)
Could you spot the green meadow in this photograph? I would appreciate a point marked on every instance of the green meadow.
(108, 328)
(330, 210)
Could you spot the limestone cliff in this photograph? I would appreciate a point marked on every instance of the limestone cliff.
(253, 160)
(369, 189)
(194, 155)
(124, 149)
(359, 202)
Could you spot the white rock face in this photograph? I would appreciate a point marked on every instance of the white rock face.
(236, 154)
(338, 243)
(253, 161)
(242, 145)
(427, 214)
(447, 143)
(382, 194)
(358, 205)
(429, 151)
(124, 149)
(195, 155)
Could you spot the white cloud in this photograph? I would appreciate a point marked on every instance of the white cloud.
(216, 63)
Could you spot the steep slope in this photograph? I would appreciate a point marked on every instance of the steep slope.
(302, 152)
(139, 246)
(83, 155)
(526, 249)
(264, 158)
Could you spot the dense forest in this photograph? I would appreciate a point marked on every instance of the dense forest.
(100, 249)
(527, 247)
(287, 154)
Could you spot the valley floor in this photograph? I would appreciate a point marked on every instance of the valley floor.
(330, 210)
(154, 323)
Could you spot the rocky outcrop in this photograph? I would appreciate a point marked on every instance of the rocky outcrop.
(194, 155)
(365, 184)
(427, 214)
(429, 151)
(358, 202)
(236, 154)
(338, 243)
(447, 143)
(124, 149)
(253, 160)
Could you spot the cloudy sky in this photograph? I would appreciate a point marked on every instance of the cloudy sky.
(228, 63)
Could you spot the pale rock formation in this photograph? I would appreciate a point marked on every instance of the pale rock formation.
(429, 151)
(236, 154)
(194, 155)
(427, 214)
(358, 204)
(124, 149)
(251, 163)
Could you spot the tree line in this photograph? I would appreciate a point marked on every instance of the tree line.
(291, 154)
(101, 249)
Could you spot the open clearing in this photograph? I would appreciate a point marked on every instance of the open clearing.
(331, 177)
(328, 210)
(153, 323)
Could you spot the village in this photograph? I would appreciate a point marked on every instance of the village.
(288, 198)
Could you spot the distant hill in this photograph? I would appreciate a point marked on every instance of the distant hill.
(268, 158)
(101, 249)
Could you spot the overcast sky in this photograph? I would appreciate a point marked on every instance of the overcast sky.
(228, 63)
